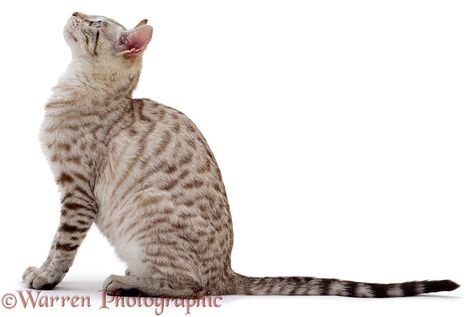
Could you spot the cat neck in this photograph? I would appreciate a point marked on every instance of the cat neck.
(89, 85)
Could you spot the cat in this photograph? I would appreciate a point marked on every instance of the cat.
(145, 175)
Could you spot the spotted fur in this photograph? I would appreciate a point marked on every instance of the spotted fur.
(145, 175)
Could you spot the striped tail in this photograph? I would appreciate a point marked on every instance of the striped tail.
(298, 285)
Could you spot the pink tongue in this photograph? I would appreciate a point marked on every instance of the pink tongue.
(137, 38)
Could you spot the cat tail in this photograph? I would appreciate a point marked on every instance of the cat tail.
(299, 285)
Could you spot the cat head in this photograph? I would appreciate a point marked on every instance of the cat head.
(102, 41)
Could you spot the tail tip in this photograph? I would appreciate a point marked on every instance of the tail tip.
(441, 286)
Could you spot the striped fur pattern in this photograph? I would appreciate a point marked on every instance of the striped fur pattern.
(145, 175)
(298, 285)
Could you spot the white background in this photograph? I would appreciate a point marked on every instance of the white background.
(344, 131)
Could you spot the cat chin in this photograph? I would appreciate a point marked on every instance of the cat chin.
(69, 35)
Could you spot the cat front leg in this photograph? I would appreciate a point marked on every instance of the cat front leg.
(78, 212)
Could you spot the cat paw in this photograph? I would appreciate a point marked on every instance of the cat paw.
(116, 285)
(36, 279)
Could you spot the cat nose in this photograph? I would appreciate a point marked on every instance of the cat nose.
(79, 15)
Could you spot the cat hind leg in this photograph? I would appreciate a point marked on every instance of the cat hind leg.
(130, 285)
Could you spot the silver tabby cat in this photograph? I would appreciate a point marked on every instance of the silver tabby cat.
(144, 174)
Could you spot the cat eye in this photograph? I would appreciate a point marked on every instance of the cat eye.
(95, 24)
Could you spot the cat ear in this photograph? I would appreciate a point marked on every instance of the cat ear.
(142, 22)
(131, 43)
